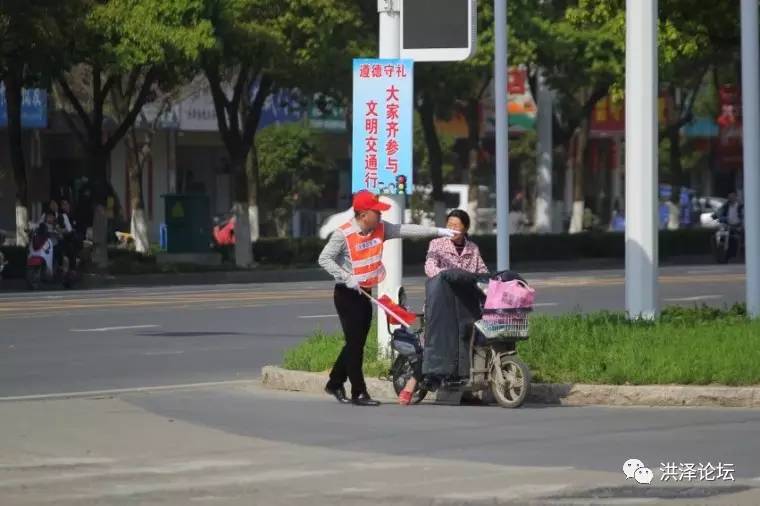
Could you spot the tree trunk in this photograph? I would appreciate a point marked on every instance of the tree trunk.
(252, 177)
(97, 172)
(435, 156)
(16, 150)
(544, 169)
(473, 128)
(138, 224)
(568, 190)
(243, 248)
(617, 201)
(676, 170)
(22, 225)
(100, 236)
(282, 220)
(579, 205)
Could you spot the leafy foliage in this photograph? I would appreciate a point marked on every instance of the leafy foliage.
(292, 171)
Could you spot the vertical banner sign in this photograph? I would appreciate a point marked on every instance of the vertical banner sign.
(33, 108)
(382, 126)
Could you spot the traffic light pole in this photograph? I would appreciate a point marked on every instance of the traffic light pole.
(390, 47)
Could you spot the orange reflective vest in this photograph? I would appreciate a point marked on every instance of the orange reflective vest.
(366, 253)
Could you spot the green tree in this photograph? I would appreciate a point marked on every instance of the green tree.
(292, 172)
(583, 54)
(693, 37)
(262, 45)
(437, 86)
(477, 75)
(31, 34)
(129, 43)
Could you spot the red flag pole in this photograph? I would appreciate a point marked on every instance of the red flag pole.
(387, 310)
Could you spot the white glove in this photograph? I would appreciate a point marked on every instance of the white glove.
(352, 283)
(447, 232)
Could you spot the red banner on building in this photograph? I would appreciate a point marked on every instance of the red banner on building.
(608, 118)
(730, 155)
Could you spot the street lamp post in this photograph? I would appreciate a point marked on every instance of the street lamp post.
(502, 135)
(641, 262)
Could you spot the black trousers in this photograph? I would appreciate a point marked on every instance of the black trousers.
(355, 313)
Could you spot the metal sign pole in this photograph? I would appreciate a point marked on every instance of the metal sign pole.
(390, 47)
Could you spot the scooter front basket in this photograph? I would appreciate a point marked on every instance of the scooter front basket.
(504, 323)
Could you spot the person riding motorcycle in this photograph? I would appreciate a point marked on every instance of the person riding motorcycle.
(731, 217)
(43, 246)
(732, 212)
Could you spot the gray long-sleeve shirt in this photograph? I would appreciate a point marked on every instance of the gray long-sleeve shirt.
(335, 258)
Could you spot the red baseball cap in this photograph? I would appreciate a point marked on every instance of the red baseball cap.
(367, 201)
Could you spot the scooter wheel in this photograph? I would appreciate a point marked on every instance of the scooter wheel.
(510, 381)
(401, 372)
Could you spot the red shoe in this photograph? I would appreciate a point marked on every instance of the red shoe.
(405, 398)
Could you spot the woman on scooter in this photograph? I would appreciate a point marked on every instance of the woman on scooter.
(458, 252)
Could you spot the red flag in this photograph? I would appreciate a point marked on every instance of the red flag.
(408, 317)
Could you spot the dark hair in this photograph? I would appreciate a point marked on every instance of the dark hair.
(461, 215)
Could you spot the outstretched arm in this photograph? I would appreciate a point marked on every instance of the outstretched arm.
(396, 231)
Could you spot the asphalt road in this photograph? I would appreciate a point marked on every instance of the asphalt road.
(241, 445)
(53, 342)
(235, 443)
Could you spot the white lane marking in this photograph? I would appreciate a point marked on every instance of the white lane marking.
(319, 316)
(694, 299)
(116, 391)
(108, 329)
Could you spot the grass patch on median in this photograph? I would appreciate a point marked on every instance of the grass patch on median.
(696, 346)
(319, 351)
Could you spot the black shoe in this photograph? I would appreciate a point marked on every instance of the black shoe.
(364, 400)
(339, 393)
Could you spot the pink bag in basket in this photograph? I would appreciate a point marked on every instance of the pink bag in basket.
(514, 294)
